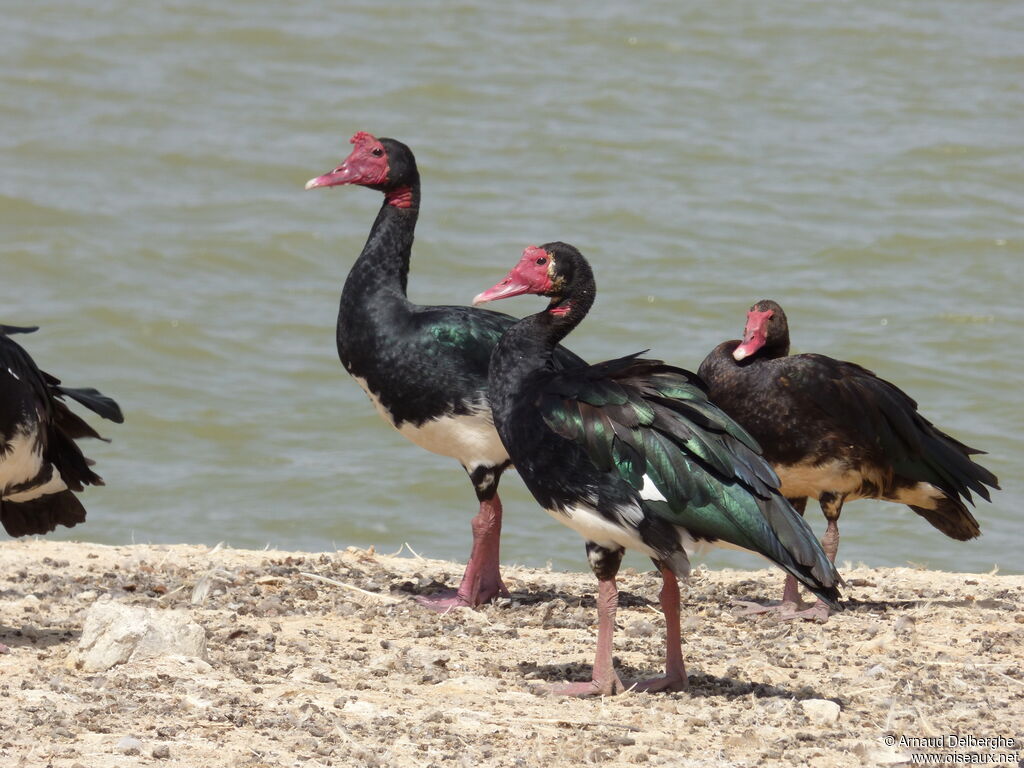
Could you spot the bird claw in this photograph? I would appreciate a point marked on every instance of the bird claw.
(784, 611)
(657, 684)
(589, 688)
(819, 612)
(750, 608)
(442, 602)
(448, 599)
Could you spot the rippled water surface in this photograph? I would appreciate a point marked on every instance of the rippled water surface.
(859, 162)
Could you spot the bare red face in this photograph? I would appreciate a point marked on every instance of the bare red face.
(531, 275)
(367, 165)
(754, 334)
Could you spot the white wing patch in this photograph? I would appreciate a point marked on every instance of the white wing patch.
(689, 544)
(650, 491)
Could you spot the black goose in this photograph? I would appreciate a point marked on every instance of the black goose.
(40, 464)
(423, 367)
(631, 454)
(836, 432)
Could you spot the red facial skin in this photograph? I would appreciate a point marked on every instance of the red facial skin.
(754, 334)
(367, 165)
(530, 275)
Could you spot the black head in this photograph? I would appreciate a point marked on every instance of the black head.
(766, 332)
(557, 270)
(383, 164)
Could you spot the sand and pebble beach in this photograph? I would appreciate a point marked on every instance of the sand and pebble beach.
(325, 659)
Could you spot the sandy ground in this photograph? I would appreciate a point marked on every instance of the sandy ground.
(304, 672)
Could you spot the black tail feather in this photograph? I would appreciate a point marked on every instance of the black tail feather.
(95, 401)
(951, 517)
(65, 454)
(8, 330)
(71, 424)
(801, 555)
(41, 515)
(952, 459)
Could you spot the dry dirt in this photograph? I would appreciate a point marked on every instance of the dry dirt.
(304, 672)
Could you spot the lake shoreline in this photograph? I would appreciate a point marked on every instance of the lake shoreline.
(324, 659)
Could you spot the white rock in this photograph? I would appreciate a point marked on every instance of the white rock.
(129, 745)
(820, 711)
(28, 604)
(176, 667)
(467, 684)
(880, 756)
(115, 633)
(362, 708)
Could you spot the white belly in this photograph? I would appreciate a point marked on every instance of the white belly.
(589, 524)
(22, 462)
(469, 438)
(810, 481)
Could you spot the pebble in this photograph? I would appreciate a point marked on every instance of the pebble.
(129, 745)
(904, 624)
(640, 628)
(820, 711)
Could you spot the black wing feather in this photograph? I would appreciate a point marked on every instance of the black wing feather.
(642, 417)
(886, 417)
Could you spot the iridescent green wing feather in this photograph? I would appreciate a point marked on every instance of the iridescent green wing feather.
(472, 334)
(640, 418)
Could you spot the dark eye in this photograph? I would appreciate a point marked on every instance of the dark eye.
(542, 261)
(377, 152)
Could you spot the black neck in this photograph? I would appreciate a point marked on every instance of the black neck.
(774, 347)
(527, 347)
(383, 266)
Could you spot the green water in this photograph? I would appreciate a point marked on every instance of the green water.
(859, 162)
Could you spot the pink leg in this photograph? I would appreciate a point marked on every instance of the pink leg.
(830, 543)
(482, 580)
(675, 671)
(605, 681)
(786, 609)
(789, 608)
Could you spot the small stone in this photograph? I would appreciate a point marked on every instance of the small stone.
(820, 711)
(129, 745)
(161, 752)
(904, 624)
(876, 671)
(640, 628)
(860, 583)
